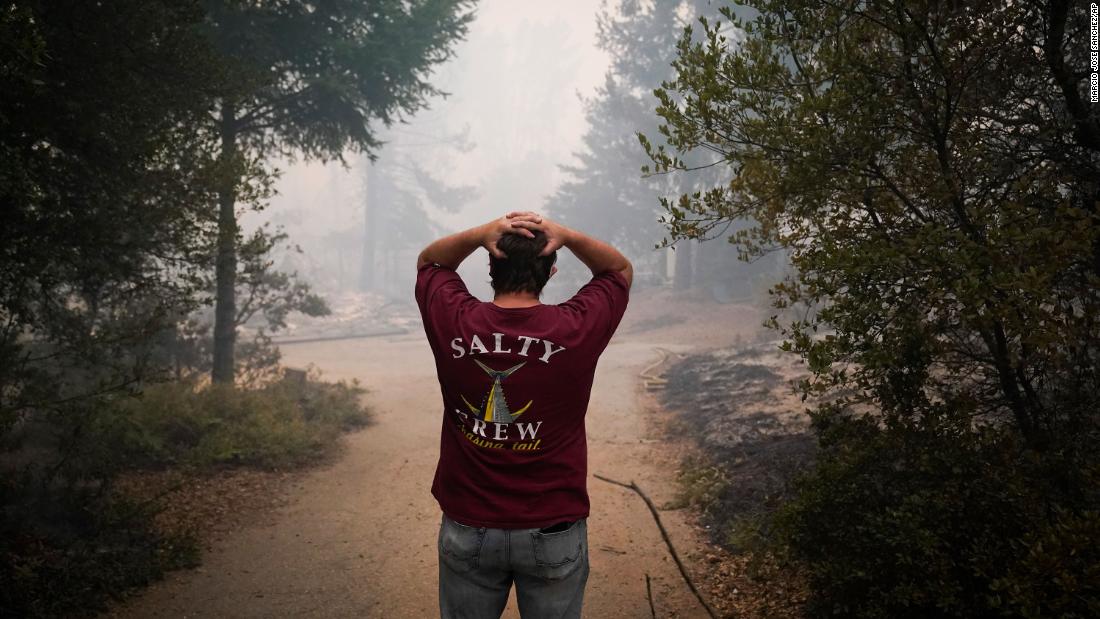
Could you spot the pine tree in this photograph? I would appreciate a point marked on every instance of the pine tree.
(309, 79)
(606, 192)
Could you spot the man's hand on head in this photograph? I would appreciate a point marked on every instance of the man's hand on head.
(556, 234)
(451, 250)
(595, 254)
(497, 228)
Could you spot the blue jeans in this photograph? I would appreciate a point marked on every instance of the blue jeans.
(477, 566)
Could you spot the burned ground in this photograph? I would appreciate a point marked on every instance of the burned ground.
(739, 407)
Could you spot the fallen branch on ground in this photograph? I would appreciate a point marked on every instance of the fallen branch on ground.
(649, 596)
(668, 541)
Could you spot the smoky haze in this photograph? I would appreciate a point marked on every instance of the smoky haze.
(512, 116)
(523, 88)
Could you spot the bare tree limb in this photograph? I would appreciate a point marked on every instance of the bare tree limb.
(649, 596)
(668, 541)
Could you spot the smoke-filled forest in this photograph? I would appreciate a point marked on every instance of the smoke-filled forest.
(856, 375)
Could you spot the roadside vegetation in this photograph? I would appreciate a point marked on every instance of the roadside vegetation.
(73, 543)
(930, 169)
(284, 424)
(135, 312)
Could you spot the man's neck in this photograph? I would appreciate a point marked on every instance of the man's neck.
(516, 299)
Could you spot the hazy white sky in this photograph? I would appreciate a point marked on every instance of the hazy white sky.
(514, 82)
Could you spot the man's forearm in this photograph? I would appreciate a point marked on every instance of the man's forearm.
(598, 256)
(450, 251)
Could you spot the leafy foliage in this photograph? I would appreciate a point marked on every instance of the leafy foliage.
(69, 544)
(607, 190)
(930, 168)
(309, 80)
(282, 424)
(115, 171)
(913, 522)
(102, 189)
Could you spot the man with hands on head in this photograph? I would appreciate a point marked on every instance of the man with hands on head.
(515, 375)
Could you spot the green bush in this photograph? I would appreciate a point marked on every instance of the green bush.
(282, 424)
(906, 522)
(701, 485)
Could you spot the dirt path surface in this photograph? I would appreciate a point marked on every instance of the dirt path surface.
(357, 538)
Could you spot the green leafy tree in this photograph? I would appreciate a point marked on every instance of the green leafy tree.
(604, 190)
(102, 181)
(267, 298)
(931, 168)
(105, 177)
(309, 79)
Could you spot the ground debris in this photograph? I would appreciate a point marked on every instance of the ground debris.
(740, 407)
(207, 505)
(354, 314)
(749, 436)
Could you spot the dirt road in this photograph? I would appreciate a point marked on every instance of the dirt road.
(357, 538)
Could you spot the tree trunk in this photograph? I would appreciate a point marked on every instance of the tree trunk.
(225, 305)
(684, 276)
(368, 273)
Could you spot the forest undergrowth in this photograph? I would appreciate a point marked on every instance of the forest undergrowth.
(166, 469)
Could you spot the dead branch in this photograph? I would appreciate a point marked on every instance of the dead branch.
(668, 541)
(649, 596)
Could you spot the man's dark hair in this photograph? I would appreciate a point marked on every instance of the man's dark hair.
(523, 269)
